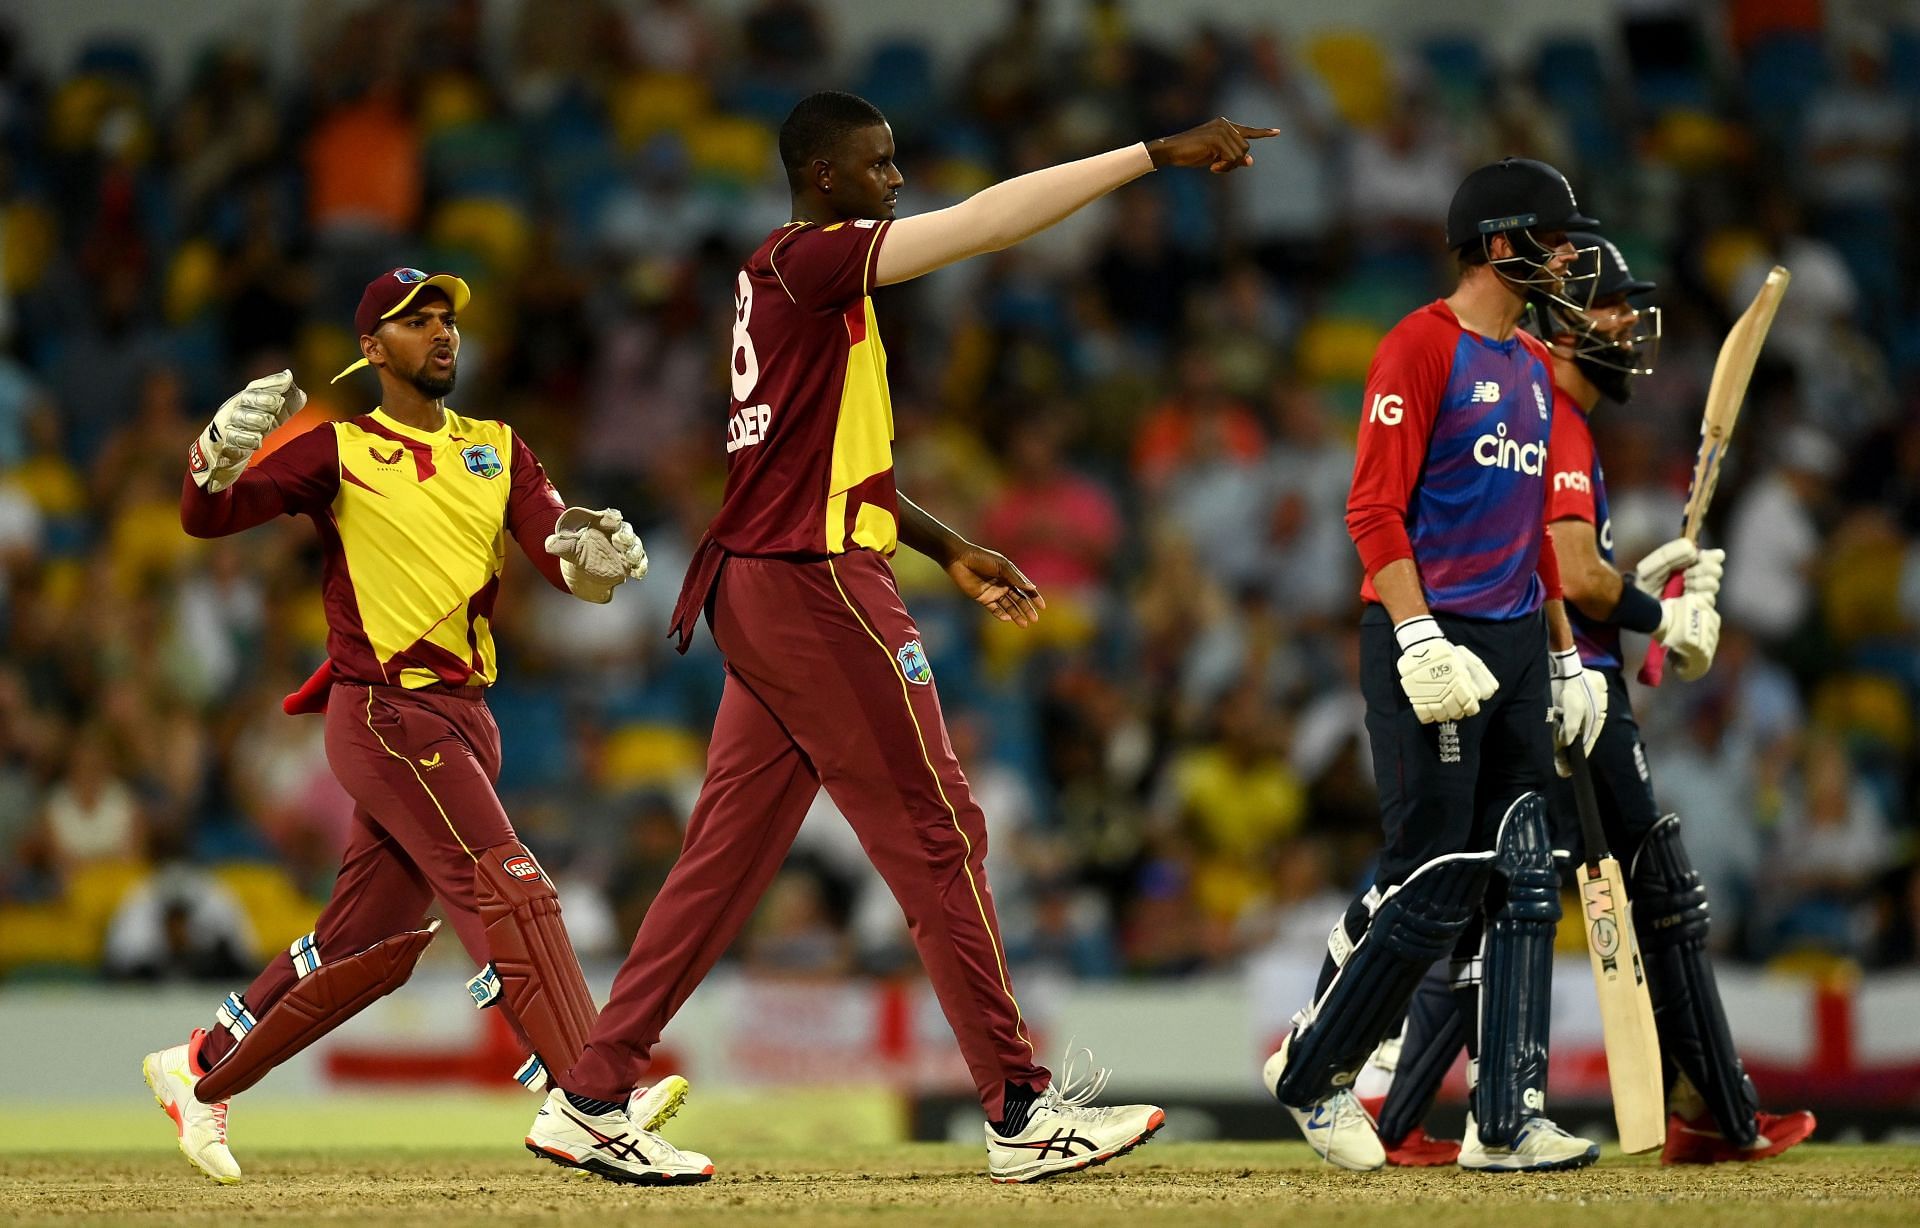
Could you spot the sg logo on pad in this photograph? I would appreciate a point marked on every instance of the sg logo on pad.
(521, 866)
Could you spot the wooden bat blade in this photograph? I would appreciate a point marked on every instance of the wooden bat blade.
(1732, 371)
(1626, 1010)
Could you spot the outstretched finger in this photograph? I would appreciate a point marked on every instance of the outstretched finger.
(1254, 134)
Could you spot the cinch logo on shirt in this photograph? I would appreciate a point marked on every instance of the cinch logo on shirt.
(1606, 536)
(1496, 451)
(1486, 392)
(1572, 479)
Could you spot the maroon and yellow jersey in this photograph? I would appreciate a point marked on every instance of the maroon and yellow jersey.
(413, 525)
(810, 436)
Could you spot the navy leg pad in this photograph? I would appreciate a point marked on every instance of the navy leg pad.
(1413, 925)
(1435, 1035)
(1516, 974)
(1671, 918)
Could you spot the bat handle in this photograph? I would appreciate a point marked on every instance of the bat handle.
(1654, 668)
(1587, 803)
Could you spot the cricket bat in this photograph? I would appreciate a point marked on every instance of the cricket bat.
(1731, 372)
(1620, 979)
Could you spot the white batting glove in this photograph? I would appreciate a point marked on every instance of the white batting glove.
(1650, 575)
(1579, 706)
(598, 551)
(218, 458)
(1690, 628)
(1444, 681)
(1703, 578)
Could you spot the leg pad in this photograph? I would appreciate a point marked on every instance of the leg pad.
(539, 977)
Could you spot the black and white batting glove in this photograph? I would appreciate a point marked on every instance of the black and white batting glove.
(1579, 706)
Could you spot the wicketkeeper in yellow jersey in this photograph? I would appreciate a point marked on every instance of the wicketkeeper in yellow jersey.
(413, 503)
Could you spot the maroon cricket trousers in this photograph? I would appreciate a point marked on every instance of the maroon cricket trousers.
(826, 686)
(420, 766)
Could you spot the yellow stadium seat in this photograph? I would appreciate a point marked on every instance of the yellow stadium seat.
(32, 239)
(1335, 350)
(732, 148)
(34, 935)
(649, 103)
(494, 230)
(93, 895)
(279, 911)
(1867, 706)
(1358, 75)
(448, 100)
(639, 755)
(193, 278)
(1725, 253)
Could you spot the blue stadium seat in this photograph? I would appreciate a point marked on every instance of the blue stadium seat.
(1459, 68)
(899, 79)
(1783, 73)
(1903, 60)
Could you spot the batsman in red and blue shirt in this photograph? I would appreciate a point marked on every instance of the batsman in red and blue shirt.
(1448, 512)
(1597, 353)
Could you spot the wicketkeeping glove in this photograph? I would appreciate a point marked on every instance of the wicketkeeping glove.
(1690, 628)
(598, 552)
(1579, 706)
(218, 458)
(1444, 681)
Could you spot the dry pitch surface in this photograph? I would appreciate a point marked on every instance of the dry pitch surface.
(383, 1168)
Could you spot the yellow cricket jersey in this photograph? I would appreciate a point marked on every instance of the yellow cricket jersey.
(413, 524)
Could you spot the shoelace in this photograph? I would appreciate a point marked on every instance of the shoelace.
(1074, 1088)
(220, 1122)
(1347, 1109)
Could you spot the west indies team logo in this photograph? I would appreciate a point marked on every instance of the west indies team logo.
(913, 663)
(482, 460)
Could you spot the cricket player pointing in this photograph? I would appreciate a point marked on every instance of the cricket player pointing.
(1447, 511)
(827, 683)
(413, 503)
(1714, 1110)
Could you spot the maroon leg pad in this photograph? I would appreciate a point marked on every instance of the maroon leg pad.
(316, 1004)
(540, 977)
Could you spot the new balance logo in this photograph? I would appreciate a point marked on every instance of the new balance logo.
(1485, 392)
(1063, 1141)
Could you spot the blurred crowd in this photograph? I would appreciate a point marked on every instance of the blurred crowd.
(1151, 408)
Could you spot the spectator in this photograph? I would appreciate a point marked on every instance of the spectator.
(1831, 847)
(1773, 539)
(90, 815)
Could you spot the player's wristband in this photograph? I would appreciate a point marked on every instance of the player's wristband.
(1636, 611)
(1417, 630)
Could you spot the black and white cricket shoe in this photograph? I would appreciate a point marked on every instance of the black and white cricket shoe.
(615, 1145)
(1064, 1132)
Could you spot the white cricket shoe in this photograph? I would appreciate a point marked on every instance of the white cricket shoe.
(653, 1107)
(611, 1145)
(1337, 1128)
(1542, 1147)
(1065, 1132)
(202, 1128)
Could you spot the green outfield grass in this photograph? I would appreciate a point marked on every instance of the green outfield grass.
(818, 1162)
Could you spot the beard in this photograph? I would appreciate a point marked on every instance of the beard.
(434, 386)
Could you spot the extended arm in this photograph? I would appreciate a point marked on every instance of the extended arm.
(1007, 212)
(987, 576)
